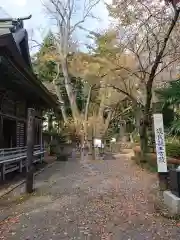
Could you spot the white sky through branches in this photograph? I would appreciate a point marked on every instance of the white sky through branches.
(39, 22)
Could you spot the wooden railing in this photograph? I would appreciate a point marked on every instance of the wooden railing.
(15, 159)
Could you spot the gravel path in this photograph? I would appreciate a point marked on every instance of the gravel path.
(111, 199)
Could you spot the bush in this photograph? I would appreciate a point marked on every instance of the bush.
(173, 149)
(52, 147)
(136, 137)
(171, 139)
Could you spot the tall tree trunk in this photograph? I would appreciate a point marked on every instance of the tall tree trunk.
(56, 83)
(82, 147)
(69, 89)
(103, 97)
(122, 131)
(138, 116)
(86, 114)
(92, 145)
(62, 106)
(107, 121)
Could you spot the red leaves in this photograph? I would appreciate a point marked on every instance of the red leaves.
(5, 226)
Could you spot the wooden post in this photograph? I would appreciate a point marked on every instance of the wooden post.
(30, 150)
(41, 141)
(93, 148)
(50, 127)
(1, 133)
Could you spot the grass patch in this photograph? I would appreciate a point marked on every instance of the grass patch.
(173, 150)
(148, 164)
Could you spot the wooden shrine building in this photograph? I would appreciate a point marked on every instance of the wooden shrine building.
(19, 90)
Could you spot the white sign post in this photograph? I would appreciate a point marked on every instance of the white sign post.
(160, 143)
(97, 143)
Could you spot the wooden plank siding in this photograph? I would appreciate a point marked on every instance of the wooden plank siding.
(15, 109)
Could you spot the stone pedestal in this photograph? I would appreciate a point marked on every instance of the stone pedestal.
(163, 180)
(172, 202)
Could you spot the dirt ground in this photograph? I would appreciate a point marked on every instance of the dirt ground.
(111, 199)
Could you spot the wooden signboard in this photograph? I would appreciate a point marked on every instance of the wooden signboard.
(160, 143)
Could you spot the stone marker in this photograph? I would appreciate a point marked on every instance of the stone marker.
(172, 202)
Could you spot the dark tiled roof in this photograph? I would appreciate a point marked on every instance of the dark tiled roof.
(9, 50)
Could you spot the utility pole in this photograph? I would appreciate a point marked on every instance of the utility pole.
(30, 150)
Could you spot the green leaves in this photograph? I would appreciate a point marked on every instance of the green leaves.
(171, 97)
(171, 94)
(45, 67)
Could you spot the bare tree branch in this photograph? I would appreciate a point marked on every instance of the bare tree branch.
(166, 65)
(86, 14)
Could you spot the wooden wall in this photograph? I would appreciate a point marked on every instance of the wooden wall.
(15, 109)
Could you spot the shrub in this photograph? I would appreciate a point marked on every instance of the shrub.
(136, 137)
(171, 139)
(52, 147)
(173, 149)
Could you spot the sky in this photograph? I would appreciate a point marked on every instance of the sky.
(39, 24)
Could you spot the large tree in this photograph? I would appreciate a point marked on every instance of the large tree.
(118, 68)
(103, 70)
(45, 66)
(68, 15)
(149, 31)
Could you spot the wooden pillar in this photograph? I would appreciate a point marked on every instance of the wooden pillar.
(50, 127)
(41, 140)
(30, 150)
(1, 132)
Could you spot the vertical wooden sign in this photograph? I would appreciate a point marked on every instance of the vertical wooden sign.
(160, 143)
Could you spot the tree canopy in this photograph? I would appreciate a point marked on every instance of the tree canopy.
(117, 76)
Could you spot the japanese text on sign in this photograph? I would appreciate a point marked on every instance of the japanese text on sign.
(160, 143)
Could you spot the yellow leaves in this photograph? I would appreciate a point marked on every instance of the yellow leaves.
(74, 127)
(96, 125)
(178, 76)
(50, 57)
(82, 65)
(106, 41)
(109, 65)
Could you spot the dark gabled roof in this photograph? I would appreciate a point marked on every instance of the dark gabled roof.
(51, 88)
(21, 40)
(9, 49)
